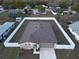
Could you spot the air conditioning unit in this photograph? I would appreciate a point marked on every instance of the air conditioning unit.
(18, 19)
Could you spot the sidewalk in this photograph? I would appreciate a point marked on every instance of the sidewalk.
(47, 53)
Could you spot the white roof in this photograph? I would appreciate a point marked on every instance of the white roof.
(75, 27)
(5, 26)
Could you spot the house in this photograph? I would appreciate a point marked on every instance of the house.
(74, 29)
(5, 30)
(38, 35)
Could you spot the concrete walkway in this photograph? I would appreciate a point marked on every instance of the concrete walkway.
(47, 53)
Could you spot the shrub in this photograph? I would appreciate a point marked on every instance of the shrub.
(18, 4)
(76, 7)
(40, 8)
(6, 5)
(64, 4)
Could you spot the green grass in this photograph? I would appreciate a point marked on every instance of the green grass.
(5, 17)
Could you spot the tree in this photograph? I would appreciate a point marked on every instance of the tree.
(76, 7)
(1, 1)
(6, 4)
(40, 8)
(18, 4)
(20, 14)
(32, 5)
(34, 0)
(64, 4)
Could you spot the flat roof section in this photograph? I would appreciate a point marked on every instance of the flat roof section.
(38, 32)
(60, 37)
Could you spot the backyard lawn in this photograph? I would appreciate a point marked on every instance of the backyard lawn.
(4, 17)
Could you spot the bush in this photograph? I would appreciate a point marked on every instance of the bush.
(15, 4)
(64, 4)
(20, 14)
(1, 1)
(32, 5)
(6, 5)
(18, 4)
(40, 8)
(76, 7)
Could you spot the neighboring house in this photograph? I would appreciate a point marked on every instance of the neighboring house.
(74, 29)
(38, 35)
(5, 30)
(68, 17)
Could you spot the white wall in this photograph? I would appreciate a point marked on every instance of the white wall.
(12, 45)
(7, 43)
(57, 46)
(71, 46)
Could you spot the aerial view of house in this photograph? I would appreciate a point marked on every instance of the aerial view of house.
(39, 29)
